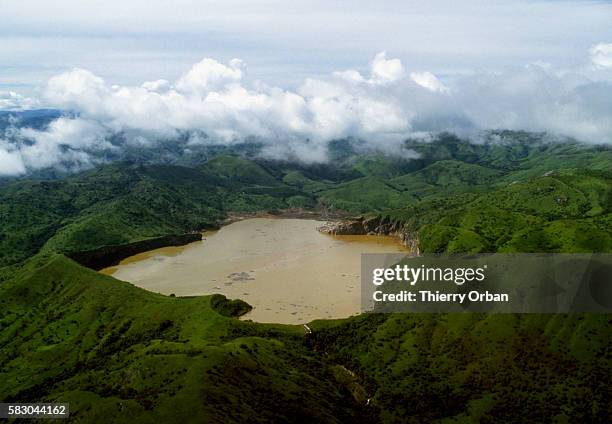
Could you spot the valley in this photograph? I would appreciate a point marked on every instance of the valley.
(113, 350)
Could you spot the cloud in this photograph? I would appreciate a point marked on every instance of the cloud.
(601, 55)
(429, 81)
(128, 42)
(67, 143)
(538, 99)
(11, 162)
(386, 70)
(216, 103)
(157, 85)
(9, 100)
(214, 98)
(209, 75)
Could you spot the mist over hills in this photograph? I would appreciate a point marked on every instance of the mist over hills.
(217, 105)
(16, 128)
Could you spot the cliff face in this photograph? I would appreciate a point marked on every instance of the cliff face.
(375, 225)
(105, 256)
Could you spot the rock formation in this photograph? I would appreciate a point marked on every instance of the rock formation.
(374, 225)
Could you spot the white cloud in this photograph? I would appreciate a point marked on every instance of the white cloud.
(76, 133)
(601, 55)
(536, 99)
(71, 88)
(10, 161)
(429, 81)
(157, 85)
(209, 74)
(214, 98)
(386, 70)
(9, 100)
(67, 143)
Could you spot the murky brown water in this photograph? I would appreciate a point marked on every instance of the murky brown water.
(287, 270)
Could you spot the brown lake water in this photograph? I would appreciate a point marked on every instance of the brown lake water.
(288, 271)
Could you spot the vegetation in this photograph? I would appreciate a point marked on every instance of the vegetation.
(565, 211)
(117, 353)
(476, 368)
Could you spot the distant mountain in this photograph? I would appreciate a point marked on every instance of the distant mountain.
(453, 183)
(498, 150)
(37, 119)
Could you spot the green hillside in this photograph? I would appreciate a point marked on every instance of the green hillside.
(112, 205)
(363, 195)
(238, 171)
(447, 177)
(564, 212)
(117, 353)
(475, 368)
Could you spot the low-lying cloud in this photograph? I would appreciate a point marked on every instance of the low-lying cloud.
(217, 103)
(15, 101)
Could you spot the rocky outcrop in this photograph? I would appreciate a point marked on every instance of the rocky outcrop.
(375, 225)
(105, 256)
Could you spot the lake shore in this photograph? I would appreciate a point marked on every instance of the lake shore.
(313, 214)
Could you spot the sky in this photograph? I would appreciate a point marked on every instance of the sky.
(298, 74)
(127, 42)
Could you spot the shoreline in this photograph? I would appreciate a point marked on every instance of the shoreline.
(373, 225)
(317, 215)
(111, 255)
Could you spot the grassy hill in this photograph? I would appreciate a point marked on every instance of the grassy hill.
(111, 205)
(565, 212)
(364, 195)
(447, 177)
(117, 353)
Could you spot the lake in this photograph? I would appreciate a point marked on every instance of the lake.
(287, 270)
